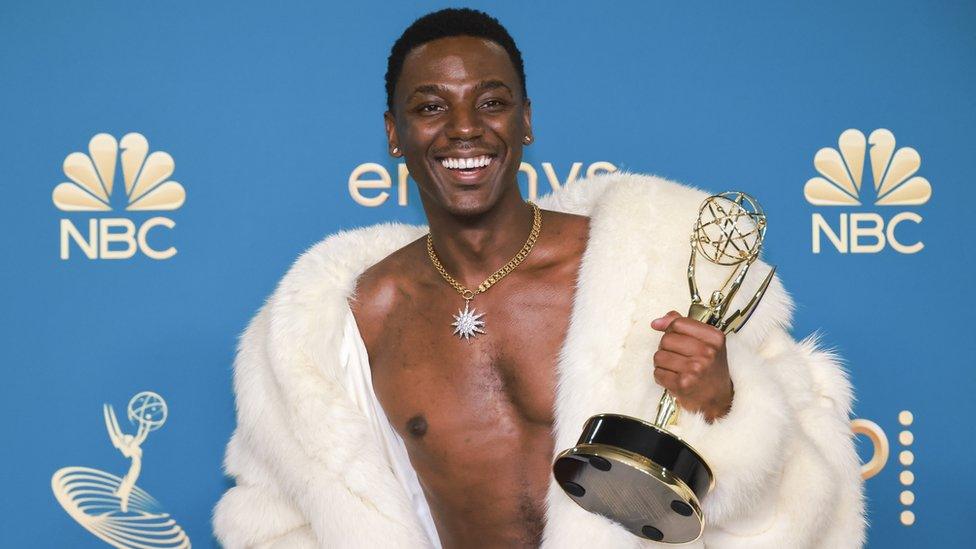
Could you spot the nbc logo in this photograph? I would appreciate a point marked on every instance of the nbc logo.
(894, 184)
(147, 188)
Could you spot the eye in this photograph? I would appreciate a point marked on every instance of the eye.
(429, 108)
(493, 104)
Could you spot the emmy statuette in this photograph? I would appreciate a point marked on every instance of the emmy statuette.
(635, 472)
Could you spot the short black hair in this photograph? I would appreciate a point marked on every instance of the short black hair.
(444, 24)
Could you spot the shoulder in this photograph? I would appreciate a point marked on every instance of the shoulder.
(565, 220)
(379, 290)
(563, 240)
(565, 225)
(310, 301)
(328, 270)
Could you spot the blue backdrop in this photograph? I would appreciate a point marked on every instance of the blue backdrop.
(267, 110)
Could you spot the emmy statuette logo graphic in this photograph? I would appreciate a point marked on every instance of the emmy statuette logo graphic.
(894, 184)
(147, 188)
(116, 509)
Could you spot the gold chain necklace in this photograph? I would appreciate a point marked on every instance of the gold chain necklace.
(467, 323)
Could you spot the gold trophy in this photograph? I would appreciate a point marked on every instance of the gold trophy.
(638, 473)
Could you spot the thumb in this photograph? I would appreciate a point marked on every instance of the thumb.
(661, 324)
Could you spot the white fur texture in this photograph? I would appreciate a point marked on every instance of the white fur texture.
(310, 472)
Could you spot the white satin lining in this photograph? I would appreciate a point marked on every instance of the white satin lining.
(359, 384)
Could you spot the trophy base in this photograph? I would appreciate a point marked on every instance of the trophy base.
(638, 475)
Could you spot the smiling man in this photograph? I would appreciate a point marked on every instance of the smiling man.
(408, 386)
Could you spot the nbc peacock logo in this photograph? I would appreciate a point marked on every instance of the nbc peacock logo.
(894, 184)
(147, 188)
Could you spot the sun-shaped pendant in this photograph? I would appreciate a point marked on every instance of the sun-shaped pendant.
(467, 323)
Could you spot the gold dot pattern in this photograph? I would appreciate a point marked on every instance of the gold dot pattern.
(906, 458)
(907, 478)
(906, 418)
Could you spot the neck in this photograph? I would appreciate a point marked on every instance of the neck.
(473, 247)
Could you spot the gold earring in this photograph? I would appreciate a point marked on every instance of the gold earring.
(527, 139)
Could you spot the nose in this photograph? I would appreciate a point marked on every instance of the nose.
(464, 124)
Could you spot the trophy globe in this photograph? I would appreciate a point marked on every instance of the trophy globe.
(149, 409)
(730, 229)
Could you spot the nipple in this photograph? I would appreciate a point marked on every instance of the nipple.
(417, 426)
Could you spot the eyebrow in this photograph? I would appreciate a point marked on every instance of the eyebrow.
(482, 86)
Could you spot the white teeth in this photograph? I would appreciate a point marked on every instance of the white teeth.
(466, 163)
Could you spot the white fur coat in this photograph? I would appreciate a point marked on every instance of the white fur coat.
(310, 472)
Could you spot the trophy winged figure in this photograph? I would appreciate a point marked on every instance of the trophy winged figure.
(129, 445)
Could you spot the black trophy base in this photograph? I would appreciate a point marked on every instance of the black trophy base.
(643, 477)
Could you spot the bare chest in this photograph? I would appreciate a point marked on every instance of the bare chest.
(504, 377)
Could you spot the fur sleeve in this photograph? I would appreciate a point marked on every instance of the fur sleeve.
(255, 512)
(786, 471)
(287, 496)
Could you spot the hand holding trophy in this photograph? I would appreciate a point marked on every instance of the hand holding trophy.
(638, 473)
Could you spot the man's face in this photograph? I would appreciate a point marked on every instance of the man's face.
(459, 101)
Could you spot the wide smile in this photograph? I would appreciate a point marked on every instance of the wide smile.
(469, 170)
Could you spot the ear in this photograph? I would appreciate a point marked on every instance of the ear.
(527, 118)
(393, 142)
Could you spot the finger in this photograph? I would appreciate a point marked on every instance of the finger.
(685, 345)
(667, 379)
(661, 324)
(698, 330)
(669, 360)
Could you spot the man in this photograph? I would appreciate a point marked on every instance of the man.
(406, 390)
